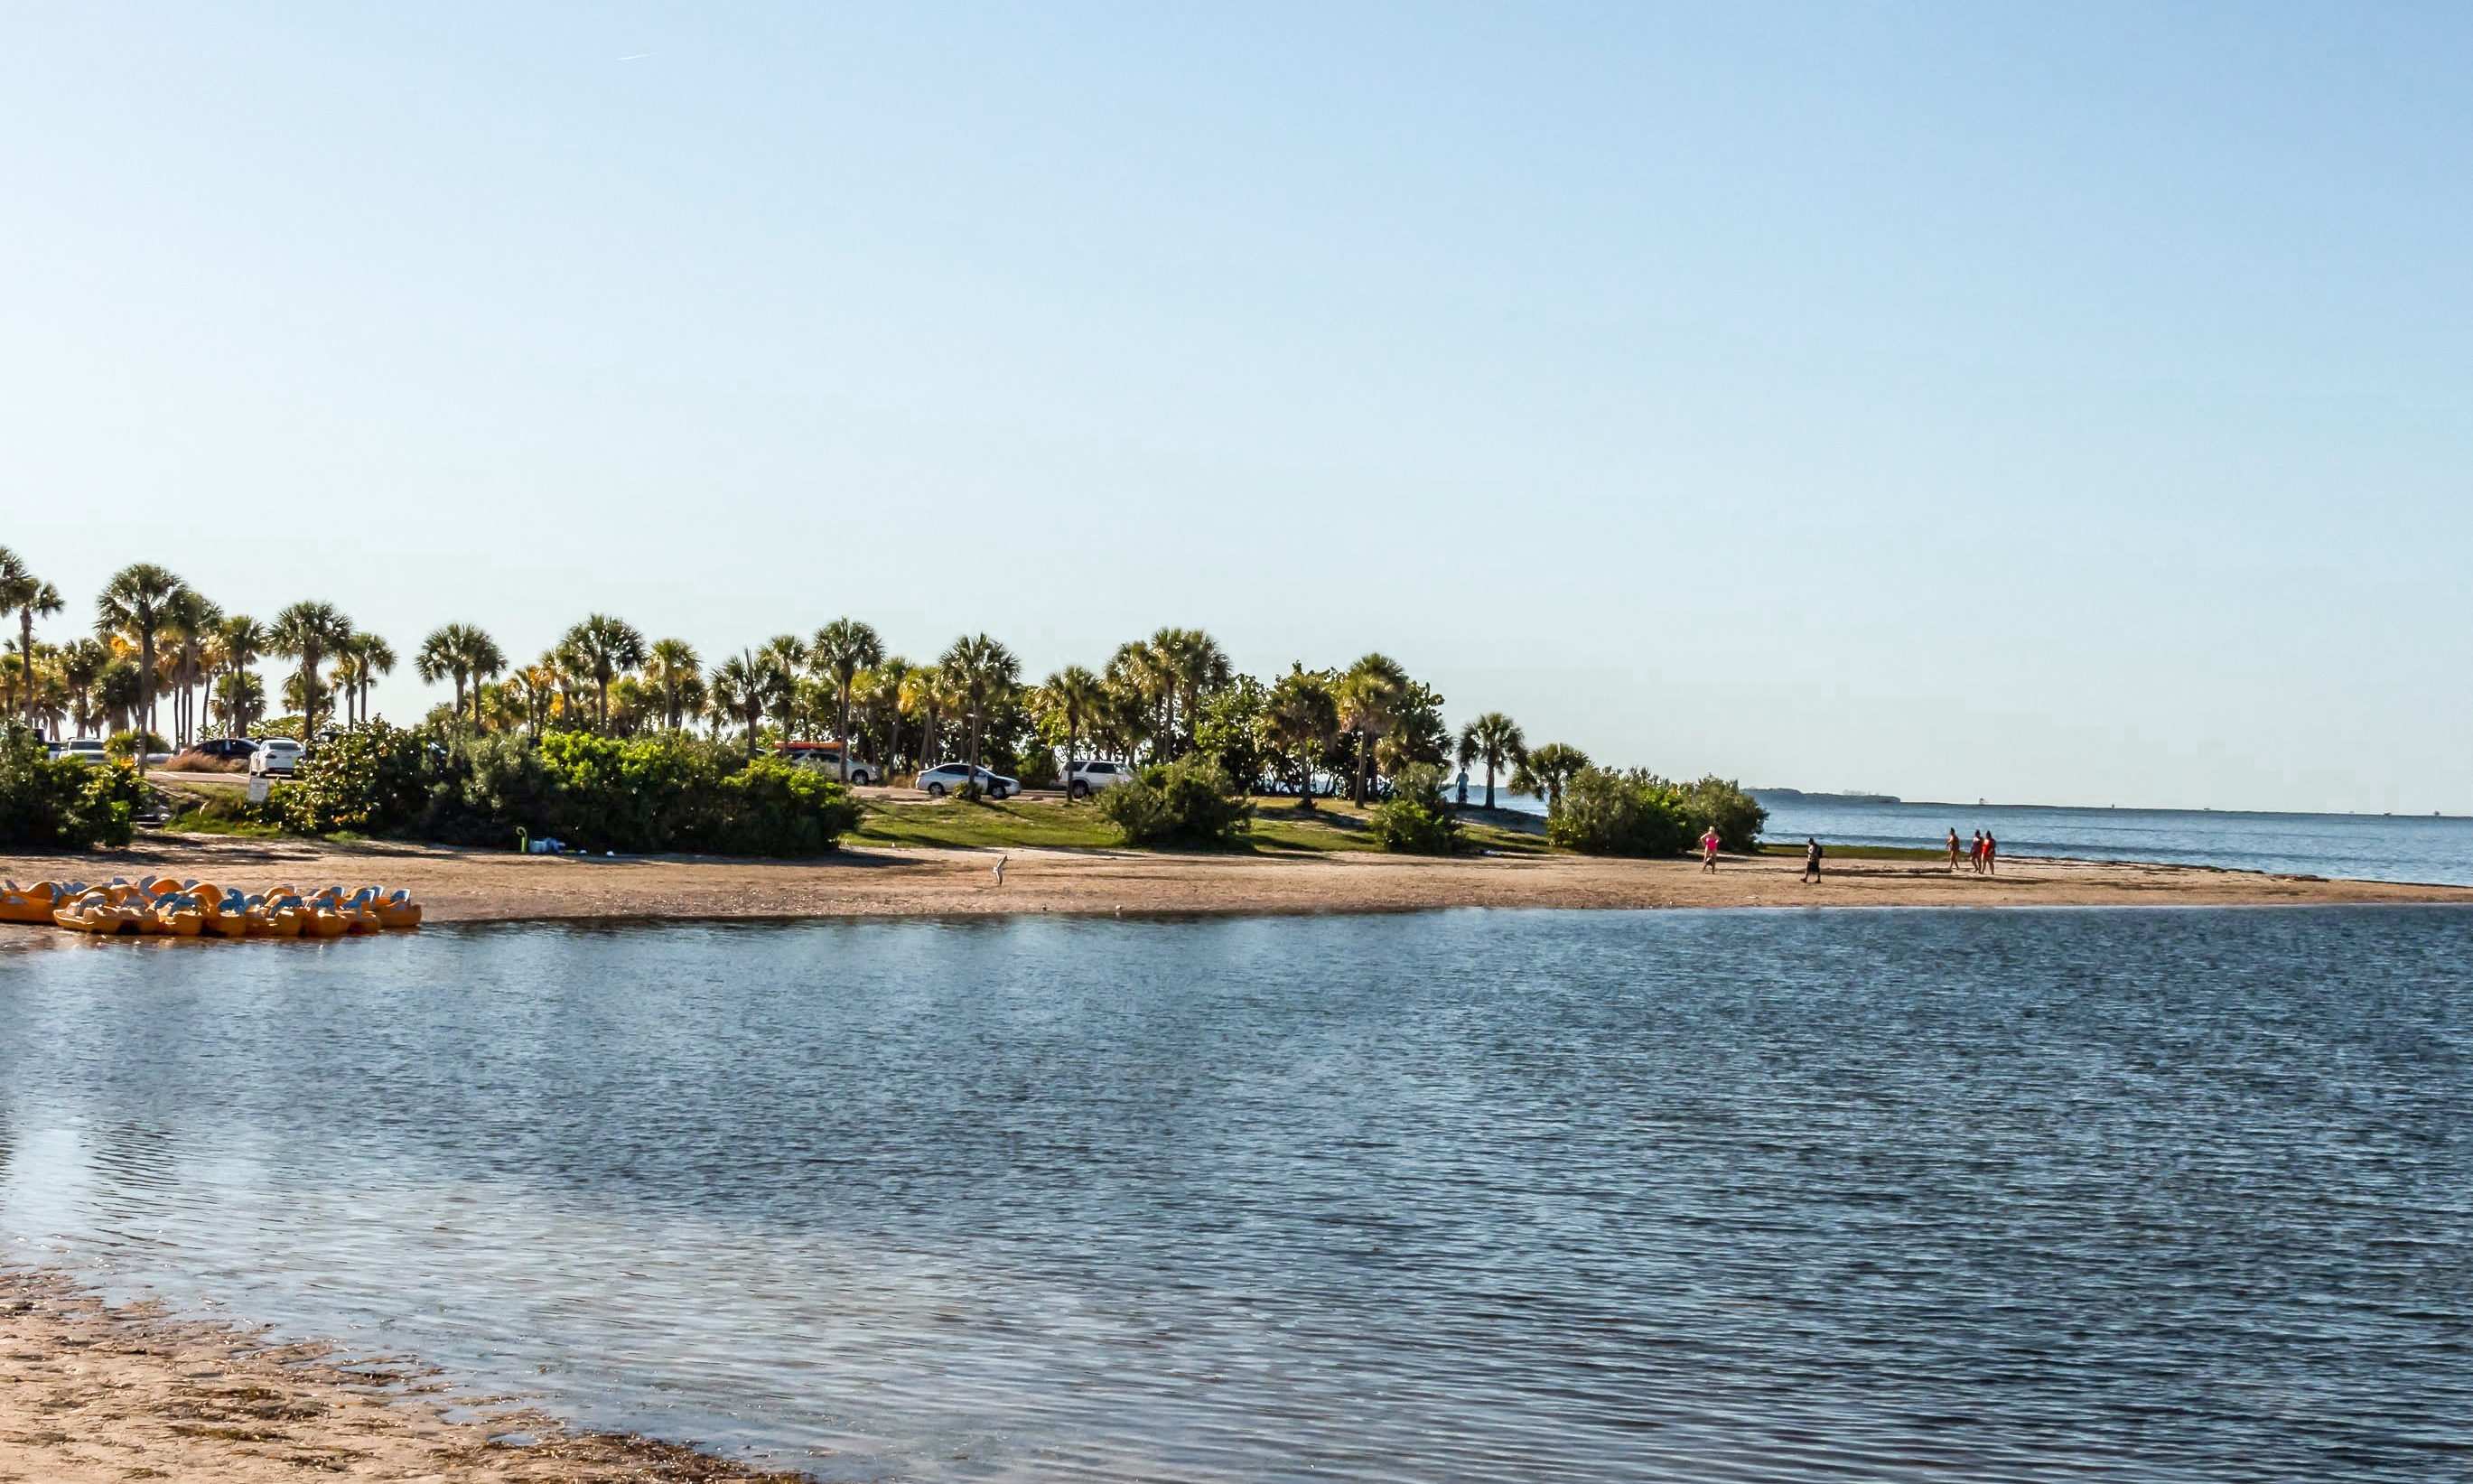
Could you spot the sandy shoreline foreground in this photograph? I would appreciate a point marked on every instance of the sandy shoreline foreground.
(472, 886)
(90, 1394)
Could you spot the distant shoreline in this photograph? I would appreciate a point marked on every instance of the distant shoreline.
(476, 886)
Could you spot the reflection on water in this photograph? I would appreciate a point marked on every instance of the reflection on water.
(1474, 1195)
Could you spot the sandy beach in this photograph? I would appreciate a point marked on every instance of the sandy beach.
(472, 886)
(90, 1394)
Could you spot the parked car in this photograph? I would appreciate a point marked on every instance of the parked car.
(1092, 776)
(827, 758)
(226, 749)
(80, 750)
(945, 778)
(275, 755)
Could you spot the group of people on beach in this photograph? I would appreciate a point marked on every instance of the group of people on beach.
(1984, 854)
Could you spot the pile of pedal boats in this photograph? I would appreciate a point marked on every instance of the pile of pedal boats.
(201, 909)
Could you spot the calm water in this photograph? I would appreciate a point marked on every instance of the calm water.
(2364, 847)
(1485, 1196)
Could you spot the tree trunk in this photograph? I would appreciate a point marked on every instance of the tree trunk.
(1364, 752)
(26, 656)
(841, 733)
(1489, 783)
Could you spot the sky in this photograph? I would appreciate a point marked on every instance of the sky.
(2061, 405)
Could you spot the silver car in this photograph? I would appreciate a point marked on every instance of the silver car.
(948, 777)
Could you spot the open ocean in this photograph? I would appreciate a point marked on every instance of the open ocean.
(1518, 1196)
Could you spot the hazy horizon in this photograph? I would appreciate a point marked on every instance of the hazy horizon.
(2066, 407)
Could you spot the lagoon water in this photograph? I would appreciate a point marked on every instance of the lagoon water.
(1973, 1196)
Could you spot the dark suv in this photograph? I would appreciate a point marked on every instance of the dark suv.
(226, 749)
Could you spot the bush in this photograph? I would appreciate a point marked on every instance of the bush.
(46, 803)
(369, 778)
(1186, 801)
(123, 746)
(1416, 820)
(1621, 812)
(771, 808)
(1722, 802)
(1038, 768)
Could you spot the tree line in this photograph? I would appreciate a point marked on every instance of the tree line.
(157, 644)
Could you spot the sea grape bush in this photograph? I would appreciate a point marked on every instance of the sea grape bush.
(50, 804)
(1609, 811)
(665, 791)
(1722, 802)
(1416, 820)
(1188, 801)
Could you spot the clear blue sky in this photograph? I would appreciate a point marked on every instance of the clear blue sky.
(2067, 406)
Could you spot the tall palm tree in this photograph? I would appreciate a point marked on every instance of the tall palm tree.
(190, 619)
(604, 648)
(1496, 739)
(930, 692)
(535, 686)
(238, 643)
(1073, 696)
(1304, 720)
(841, 650)
(309, 631)
(1138, 672)
(240, 697)
(81, 668)
(1190, 662)
(881, 689)
(135, 604)
(370, 657)
(465, 654)
(1545, 771)
(742, 688)
(783, 657)
(672, 668)
(1369, 697)
(984, 672)
(30, 598)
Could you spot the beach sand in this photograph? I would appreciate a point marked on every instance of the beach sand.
(470, 886)
(90, 1394)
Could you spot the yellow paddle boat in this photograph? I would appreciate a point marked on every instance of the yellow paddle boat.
(33, 903)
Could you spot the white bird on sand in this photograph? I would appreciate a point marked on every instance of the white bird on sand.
(1001, 860)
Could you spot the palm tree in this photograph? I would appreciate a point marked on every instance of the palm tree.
(742, 688)
(841, 650)
(1369, 697)
(81, 668)
(984, 672)
(1496, 739)
(1192, 661)
(309, 631)
(1073, 696)
(880, 690)
(464, 654)
(783, 655)
(134, 603)
(370, 657)
(237, 643)
(672, 668)
(1138, 672)
(928, 691)
(602, 649)
(1544, 772)
(534, 687)
(240, 697)
(190, 618)
(30, 598)
(1304, 720)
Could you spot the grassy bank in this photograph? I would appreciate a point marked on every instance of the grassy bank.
(1279, 825)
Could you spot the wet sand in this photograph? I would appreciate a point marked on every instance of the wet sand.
(90, 1394)
(469, 886)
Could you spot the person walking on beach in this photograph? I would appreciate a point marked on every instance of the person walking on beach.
(1953, 850)
(1811, 854)
(1991, 854)
(1975, 854)
(1709, 850)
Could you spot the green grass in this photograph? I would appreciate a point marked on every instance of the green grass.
(1279, 825)
(192, 821)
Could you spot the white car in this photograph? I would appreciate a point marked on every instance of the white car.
(275, 755)
(945, 778)
(1092, 776)
(81, 750)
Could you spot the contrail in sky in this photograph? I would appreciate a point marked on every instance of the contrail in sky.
(639, 57)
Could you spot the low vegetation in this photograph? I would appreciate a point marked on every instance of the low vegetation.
(49, 805)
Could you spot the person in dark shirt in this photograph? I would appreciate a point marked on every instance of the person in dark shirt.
(1811, 854)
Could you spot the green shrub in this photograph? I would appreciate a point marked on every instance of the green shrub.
(1619, 812)
(1722, 802)
(772, 807)
(369, 778)
(1038, 768)
(1416, 820)
(48, 804)
(123, 746)
(1186, 802)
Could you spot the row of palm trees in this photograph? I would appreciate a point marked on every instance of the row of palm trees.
(155, 637)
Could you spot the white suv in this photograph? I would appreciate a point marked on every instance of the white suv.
(275, 755)
(1092, 776)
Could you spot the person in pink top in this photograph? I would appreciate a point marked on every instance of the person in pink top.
(1709, 850)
